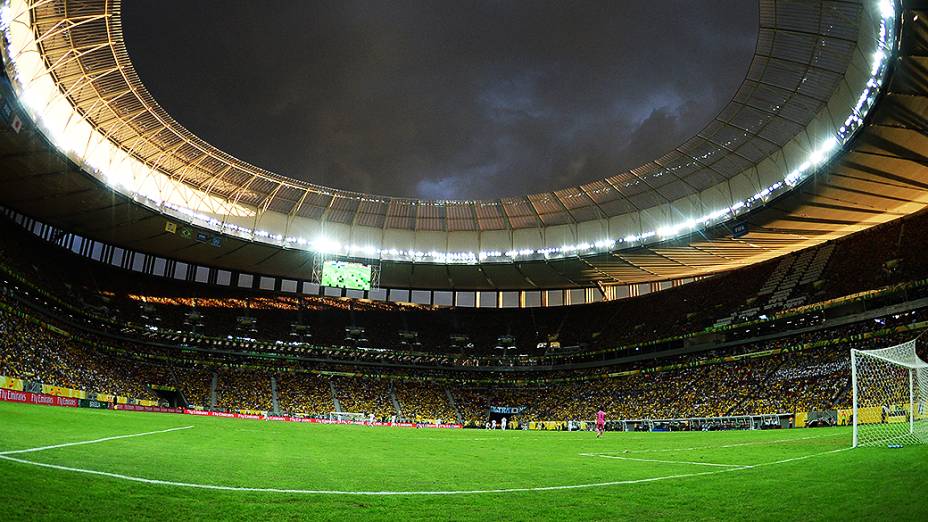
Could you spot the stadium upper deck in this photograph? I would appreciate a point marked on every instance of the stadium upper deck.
(832, 104)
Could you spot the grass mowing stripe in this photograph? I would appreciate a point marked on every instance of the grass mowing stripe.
(94, 441)
(602, 456)
(407, 493)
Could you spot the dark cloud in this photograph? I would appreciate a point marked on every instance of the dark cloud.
(444, 100)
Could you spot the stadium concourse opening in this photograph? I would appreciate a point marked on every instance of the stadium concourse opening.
(733, 330)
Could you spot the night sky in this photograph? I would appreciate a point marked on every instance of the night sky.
(443, 100)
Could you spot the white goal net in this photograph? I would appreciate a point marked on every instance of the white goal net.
(890, 392)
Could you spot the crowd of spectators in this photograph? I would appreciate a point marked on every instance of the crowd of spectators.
(244, 389)
(105, 300)
(805, 372)
(424, 401)
(811, 379)
(194, 382)
(30, 351)
(365, 395)
(304, 393)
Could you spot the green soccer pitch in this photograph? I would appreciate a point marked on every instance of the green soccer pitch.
(61, 463)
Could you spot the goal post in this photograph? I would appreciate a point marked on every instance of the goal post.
(890, 396)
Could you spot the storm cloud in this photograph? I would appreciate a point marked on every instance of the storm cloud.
(443, 100)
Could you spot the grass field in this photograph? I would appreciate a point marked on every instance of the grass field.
(228, 468)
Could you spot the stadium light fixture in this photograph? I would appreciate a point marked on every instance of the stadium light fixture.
(887, 9)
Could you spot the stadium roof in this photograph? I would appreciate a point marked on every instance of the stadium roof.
(804, 50)
(796, 121)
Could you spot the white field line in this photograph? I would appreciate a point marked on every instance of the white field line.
(216, 487)
(738, 445)
(694, 463)
(804, 457)
(94, 441)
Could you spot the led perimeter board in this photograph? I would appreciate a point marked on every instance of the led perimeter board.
(342, 274)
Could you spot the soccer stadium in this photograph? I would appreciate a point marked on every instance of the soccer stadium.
(730, 328)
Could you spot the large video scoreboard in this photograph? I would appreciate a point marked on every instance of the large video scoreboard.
(343, 274)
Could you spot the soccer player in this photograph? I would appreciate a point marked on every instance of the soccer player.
(600, 423)
(493, 424)
(504, 423)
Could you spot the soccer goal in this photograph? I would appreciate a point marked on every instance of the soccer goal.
(348, 416)
(890, 392)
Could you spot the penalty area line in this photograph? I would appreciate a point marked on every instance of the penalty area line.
(217, 487)
(94, 441)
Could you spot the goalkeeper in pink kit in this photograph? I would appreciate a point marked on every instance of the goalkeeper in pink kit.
(600, 423)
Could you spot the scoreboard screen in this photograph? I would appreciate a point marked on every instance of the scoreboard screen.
(343, 274)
